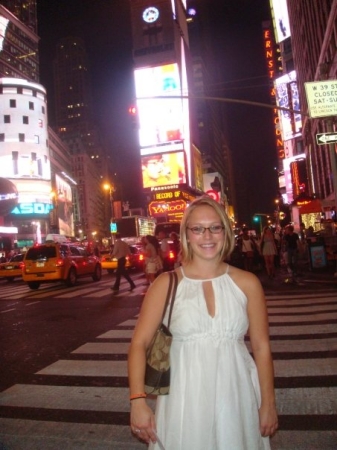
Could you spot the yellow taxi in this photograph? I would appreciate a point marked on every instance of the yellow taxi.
(59, 262)
(12, 268)
(109, 263)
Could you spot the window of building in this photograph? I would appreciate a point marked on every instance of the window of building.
(7, 118)
(21, 137)
(12, 103)
(2, 137)
(31, 105)
(25, 120)
(43, 110)
(19, 90)
(36, 139)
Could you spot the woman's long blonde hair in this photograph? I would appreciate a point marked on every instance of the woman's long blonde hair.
(186, 251)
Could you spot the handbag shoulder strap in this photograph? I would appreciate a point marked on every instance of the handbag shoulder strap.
(171, 293)
(174, 278)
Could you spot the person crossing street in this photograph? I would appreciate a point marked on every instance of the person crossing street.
(120, 252)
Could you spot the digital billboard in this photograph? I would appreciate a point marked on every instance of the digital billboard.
(163, 169)
(160, 119)
(287, 96)
(64, 206)
(280, 19)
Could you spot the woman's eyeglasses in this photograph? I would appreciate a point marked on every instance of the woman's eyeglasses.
(214, 229)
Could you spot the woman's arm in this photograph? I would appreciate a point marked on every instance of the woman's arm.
(150, 317)
(259, 338)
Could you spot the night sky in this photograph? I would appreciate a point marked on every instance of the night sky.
(105, 27)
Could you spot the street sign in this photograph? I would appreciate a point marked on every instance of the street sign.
(326, 138)
(322, 98)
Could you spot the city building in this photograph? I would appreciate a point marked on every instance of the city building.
(24, 155)
(19, 54)
(75, 125)
(180, 137)
(24, 10)
(306, 35)
(40, 171)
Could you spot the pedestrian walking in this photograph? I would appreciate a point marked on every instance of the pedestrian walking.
(164, 250)
(268, 250)
(153, 261)
(120, 252)
(220, 397)
(292, 246)
(248, 247)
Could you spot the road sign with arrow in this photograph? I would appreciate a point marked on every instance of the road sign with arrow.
(326, 138)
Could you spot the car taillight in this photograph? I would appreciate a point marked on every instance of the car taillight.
(141, 257)
(21, 265)
(171, 255)
(59, 262)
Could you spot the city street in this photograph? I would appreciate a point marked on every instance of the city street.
(63, 380)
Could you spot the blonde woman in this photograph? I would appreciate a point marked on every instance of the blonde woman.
(268, 251)
(220, 397)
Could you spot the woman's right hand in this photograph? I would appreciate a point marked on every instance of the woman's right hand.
(142, 419)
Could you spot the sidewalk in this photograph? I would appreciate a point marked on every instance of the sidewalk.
(306, 277)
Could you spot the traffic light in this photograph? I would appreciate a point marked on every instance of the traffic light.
(256, 218)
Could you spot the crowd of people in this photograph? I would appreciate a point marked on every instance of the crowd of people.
(274, 248)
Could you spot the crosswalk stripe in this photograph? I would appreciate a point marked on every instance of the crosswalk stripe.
(304, 345)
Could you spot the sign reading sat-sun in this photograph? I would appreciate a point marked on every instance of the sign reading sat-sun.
(322, 98)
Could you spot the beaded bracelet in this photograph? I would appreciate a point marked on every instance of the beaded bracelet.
(135, 396)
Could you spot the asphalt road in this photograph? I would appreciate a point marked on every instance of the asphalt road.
(63, 380)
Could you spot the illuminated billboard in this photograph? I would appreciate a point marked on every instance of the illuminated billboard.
(280, 16)
(287, 96)
(164, 169)
(64, 206)
(160, 119)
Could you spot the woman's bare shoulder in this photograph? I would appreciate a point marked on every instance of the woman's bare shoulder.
(247, 281)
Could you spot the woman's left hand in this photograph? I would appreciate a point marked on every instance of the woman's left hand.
(268, 420)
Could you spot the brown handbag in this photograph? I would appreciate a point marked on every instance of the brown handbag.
(157, 372)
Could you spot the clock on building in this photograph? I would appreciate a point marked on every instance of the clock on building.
(150, 14)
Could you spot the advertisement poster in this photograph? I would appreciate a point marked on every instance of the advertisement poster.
(287, 96)
(64, 206)
(163, 170)
(318, 257)
(160, 119)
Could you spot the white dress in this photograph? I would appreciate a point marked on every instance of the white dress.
(214, 394)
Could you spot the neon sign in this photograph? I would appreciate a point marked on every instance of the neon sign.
(32, 208)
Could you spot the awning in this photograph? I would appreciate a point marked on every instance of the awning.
(314, 206)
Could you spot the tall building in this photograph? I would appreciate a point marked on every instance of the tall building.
(208, 117)
(35, 161)
(72, 87)
(314, 37)
(179, 138)
(306, 33)
(24, 10)
(19, 53)
(75, 125)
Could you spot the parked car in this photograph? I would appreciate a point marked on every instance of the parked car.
(109, 263)
(52, 262)
(12, 268)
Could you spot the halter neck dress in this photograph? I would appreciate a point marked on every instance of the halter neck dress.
(214, 393)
